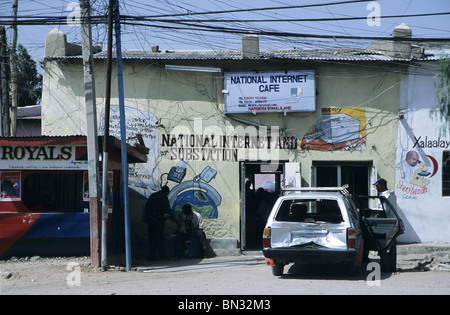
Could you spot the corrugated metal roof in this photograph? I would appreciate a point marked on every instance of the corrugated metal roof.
(350, 54)
(29, 112)
(435, 54)
(43, 140)
(342, 54)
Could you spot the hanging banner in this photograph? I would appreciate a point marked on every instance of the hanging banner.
(268, 92)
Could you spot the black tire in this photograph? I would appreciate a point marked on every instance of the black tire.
(278, 270)
(388, 260)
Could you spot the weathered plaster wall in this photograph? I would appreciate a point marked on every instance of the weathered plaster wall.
(192, 103)
(420, 199)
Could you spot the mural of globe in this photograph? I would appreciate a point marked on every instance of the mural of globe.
(200, 202)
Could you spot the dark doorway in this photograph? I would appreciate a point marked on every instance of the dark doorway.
(261, 188)
(355, 174)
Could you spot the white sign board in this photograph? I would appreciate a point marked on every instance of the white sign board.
(43, 157)
(267, 92)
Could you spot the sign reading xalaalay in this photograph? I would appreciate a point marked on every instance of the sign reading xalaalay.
(266, 92)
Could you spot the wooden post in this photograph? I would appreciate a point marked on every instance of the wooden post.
(106, 136)
(92, 135)
(5, 116)
(13, 61)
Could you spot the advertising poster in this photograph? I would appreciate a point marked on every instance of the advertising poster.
(109, 189)
(10, 186)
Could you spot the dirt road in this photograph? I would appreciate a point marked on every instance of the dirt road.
(233, 275)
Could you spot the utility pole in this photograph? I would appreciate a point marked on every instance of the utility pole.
(106, 136)
(13, 61)
(4, 86)
(92, 135)
(123, 135)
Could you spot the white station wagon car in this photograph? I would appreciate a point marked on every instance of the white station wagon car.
(317, 225)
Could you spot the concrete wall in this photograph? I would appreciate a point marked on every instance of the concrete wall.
(192, 103)
(425, 209)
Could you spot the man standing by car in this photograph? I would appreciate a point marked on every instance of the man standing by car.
(388, 254)
(381, 187)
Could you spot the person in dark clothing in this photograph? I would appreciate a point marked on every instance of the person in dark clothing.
(157, 209)
(192, 223)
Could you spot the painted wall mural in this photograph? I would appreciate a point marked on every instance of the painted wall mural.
(197, 192)
(142, 176)
(420, 160)
(415, 174)
(342, 129)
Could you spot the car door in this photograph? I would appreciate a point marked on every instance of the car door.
(382, 222)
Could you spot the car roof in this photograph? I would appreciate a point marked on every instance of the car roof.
(315, 192)
(306, 195)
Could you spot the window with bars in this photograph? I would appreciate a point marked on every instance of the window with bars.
(53, 191)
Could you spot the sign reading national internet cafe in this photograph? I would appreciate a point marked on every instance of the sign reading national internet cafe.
(268, 92)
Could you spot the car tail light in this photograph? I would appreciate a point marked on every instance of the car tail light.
(266, 238)
(351, 238)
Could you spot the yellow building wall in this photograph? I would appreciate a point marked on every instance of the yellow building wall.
(192, 103)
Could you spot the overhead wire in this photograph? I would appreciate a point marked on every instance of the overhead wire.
(202, 26)
(184, 25)
(245, 9)
(333, 19)
(286, 7)
(148, 23)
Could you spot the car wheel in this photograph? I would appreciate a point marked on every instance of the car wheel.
(388, 260)
(278, 269)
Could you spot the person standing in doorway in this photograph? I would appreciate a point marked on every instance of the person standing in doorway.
(157, 209)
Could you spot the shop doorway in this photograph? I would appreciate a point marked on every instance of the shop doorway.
(260, 187)
(357, 175)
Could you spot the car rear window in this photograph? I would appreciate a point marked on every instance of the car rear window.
(309, 210)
